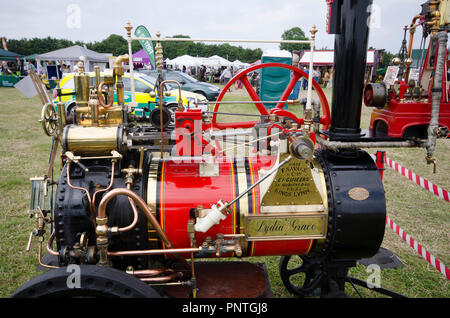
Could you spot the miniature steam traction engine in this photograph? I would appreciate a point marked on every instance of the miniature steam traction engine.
(140, 200)
(403, 105)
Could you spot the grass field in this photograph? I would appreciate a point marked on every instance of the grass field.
(24, 152)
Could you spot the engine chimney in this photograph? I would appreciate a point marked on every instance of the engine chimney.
(349, 20)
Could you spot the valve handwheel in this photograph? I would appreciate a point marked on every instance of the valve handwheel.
(278, 109)
(49, 119)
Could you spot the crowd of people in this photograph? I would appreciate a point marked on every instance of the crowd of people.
(16, 68)
(221, 75)
(325, 79)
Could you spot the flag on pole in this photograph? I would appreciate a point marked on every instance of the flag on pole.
(142, 32)
(4, 44)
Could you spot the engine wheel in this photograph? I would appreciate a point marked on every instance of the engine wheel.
(297, 73)
(49, 119)
(300, 275)
(85, 281)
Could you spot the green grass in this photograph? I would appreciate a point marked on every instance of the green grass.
(24, 151)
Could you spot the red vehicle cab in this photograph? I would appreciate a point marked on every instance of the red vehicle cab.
(402, 106)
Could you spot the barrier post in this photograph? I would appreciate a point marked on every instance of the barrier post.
(379, 156)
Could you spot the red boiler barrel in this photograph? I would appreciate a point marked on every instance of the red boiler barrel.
(174, 188)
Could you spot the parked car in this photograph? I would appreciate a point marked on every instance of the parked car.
(188, 83)
(143, 86)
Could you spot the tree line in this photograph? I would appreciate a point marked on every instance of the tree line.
(118, 45)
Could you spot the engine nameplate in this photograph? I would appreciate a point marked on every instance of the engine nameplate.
(286, 227)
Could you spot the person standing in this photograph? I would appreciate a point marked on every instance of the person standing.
(326, 79)
(330, 83)
(226, 76)
(305, 80)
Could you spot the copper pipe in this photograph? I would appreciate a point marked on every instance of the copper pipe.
(49, 244)
(167, 278)
(155, 251)
(39, 258)
(150, 272)
(143, 206)
(135, 212)
(101, 100)
(82, 189)
(92, 207)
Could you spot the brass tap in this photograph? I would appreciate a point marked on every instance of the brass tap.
(130, 172)
(433, 161)
(102, 240)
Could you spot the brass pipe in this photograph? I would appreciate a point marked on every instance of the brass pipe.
(101, 100)
(412, 30)
(120, 59)
(143, 206)
(97, 76)
(118, 73)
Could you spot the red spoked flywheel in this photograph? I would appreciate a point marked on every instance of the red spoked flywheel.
(278, 109)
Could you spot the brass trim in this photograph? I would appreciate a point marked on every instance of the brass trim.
(293, 208)
(243, 202)
(152, 185)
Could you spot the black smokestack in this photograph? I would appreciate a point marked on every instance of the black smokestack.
(349, 21)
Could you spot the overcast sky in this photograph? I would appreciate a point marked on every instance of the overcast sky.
(94, 20)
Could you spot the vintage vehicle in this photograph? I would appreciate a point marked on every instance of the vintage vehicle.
(140, 203)
(188, 83)
(403, 105)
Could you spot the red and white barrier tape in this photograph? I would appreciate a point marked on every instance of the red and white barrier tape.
(443, 194)
(419, 249)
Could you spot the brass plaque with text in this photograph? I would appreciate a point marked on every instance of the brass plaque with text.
(261, 227)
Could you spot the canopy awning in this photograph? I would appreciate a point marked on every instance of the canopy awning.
(6, 55)
(326, 58)
(31, 57)
(141, 57)
(73, 53)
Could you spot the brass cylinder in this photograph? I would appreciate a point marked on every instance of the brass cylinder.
(61, 117)
(92, 141)
(81, 80)
(93, 109)
(97, 76)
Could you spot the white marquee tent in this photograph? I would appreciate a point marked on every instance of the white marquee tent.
(185, 60)
(212, 61)
(239, 64)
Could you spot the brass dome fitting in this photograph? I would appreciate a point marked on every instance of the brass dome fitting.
(396, 61)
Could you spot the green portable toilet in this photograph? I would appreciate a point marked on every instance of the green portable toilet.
(274, 80)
